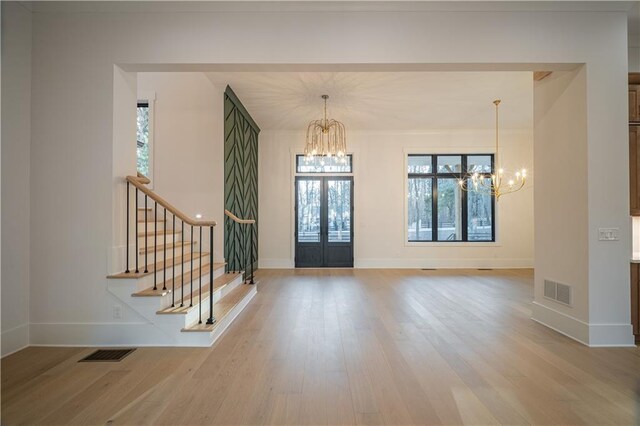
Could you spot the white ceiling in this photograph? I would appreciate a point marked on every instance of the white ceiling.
(330, 5)
(384, 100)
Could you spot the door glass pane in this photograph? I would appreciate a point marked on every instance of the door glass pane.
(479, 213)
(309, 211)
(449, 210)
(339, 210)
(449, 164)
(419, 164)
(479, 164)
(420, 213)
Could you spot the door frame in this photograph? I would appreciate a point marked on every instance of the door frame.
(324, 243)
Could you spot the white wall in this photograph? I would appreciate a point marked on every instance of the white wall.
(634, 38)
(188, 145)
(559, 149)
(379, 200)
(72, 152)
(634, 59)
(16, 141)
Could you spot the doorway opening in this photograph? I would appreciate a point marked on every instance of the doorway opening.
(324, 221)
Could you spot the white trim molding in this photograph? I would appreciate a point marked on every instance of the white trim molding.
(416, 263)
(442, 263)
(15, 339)
(592, 335)
(276, 263)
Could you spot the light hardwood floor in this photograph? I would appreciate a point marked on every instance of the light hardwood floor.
(346, 347)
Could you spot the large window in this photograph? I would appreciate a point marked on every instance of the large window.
(437, 209)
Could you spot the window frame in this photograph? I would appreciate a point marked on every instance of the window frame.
(148, 98)
(434, 176)
(298, 157)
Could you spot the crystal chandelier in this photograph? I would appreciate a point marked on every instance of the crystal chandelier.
(326, 137)
(497, 183)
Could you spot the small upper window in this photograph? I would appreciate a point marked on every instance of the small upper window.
(143, 142)
(324, 164)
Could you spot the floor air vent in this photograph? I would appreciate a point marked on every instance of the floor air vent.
(559, 292)
(107, 355)
(485, 269)
(428, 269)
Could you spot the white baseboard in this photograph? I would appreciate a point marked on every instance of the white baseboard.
(415, 263)
(15, 339)
(455, 263)
(593, 335)
(97, 334)
(611, 335)
(562, 323)
(275, 264)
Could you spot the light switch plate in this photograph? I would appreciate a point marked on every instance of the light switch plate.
(609, 234)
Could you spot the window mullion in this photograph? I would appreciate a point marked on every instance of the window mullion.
(493, 204)
(464, 200)
(434, 200)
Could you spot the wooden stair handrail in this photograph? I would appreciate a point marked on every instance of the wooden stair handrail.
(238, 220)
(140, 181)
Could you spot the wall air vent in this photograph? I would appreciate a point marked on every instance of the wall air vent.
(561, 293)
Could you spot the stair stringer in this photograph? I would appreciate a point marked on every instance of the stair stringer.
(228, 320)
(143, 308)
(167, 327)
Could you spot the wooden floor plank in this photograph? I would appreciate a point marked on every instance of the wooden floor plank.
(341, 346)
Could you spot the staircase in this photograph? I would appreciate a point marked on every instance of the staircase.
(170, 279)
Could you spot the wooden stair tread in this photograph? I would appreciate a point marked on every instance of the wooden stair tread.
(222, 308)
(161, 247)
(218, 283)
(186, 278)
(158, 266)
(161, 232)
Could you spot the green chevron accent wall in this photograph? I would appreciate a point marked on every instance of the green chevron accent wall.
(240, 182)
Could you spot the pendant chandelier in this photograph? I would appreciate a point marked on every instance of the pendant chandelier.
(326, 138)
(497, 183)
